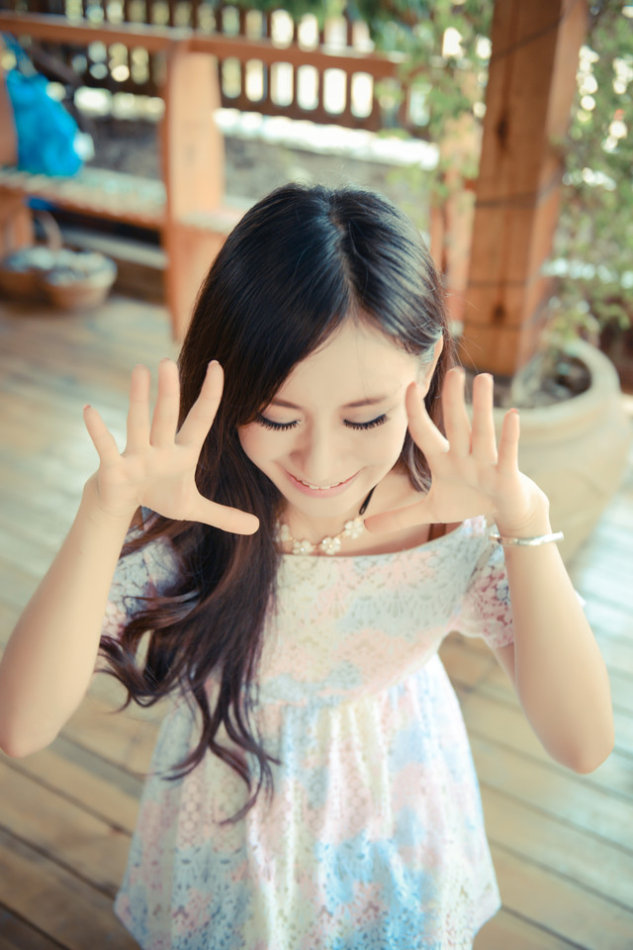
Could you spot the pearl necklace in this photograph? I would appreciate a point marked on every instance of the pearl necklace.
(329, 545)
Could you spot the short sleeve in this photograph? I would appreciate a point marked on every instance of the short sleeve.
(138, 575)
(486, 609)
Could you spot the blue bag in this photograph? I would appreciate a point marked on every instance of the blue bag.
(46, 133)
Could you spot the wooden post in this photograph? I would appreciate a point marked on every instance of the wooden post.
(531, 86)
(193, 159)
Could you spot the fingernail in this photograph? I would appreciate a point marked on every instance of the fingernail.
(87, 406)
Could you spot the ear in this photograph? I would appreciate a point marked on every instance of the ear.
(427, 370)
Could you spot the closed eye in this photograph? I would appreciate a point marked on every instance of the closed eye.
(378, 421)
(277, 426)
(283, 426)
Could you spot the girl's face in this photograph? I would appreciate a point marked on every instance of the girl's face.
(336, 426)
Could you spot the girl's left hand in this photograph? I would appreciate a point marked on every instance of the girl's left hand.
(470, 474)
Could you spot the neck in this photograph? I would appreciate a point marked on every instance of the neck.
(315, 529)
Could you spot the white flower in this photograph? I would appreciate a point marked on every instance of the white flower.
(331, 545)
(354, 529)
(302, 547)
(283, 533)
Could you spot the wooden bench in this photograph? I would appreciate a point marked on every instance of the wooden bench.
(187, 207)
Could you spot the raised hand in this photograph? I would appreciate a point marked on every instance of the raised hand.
(157, 468)
(470, 474)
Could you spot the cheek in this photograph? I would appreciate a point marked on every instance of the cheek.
(262, 445)
(253, 441)
(383, 446)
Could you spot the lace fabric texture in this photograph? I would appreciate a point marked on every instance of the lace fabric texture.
(374, 837)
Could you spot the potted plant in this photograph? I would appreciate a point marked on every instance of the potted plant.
(575, 434)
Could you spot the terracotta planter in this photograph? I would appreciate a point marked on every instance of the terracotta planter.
(577, 450)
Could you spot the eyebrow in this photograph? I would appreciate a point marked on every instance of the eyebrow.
(370, 401)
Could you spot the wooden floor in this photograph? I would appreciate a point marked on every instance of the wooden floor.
(562, 843)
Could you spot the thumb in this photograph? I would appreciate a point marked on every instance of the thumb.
(399, 518)
(228, 519)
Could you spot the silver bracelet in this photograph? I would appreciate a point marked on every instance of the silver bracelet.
(527, 542)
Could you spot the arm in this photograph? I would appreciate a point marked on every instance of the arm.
(555, 664)
(559, 675)
(49, 660)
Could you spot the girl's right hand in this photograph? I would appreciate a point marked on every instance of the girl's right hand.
(157, 469)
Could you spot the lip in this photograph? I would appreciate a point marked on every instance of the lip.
(320, 492)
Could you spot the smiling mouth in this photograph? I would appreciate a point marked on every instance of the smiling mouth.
(321, 487)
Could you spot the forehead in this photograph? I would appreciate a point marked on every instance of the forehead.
(357, 361)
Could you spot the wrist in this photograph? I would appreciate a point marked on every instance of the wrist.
(535, 522)
(95, 511)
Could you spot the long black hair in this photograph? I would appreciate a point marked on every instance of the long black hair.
(300, 261)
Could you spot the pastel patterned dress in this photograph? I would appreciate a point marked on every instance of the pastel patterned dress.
(374, 838)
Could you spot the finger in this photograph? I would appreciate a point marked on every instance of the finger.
(165, 420)
(423, 430)
(484, 440)
(200, 417)
(456, 421)
(509, 442)
(138, 413)
(398, 519)
(102, 438)
(227, 519)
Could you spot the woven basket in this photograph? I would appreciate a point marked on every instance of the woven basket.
(17, 278)
(20, 271)
(83, 282)
(67, 279)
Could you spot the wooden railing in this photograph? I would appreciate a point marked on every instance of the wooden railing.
(266, 62)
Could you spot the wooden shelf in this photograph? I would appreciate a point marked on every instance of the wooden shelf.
(96, 191)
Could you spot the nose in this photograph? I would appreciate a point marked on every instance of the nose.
(319, 458)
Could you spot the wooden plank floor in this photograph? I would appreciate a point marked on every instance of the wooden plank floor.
(562, 843)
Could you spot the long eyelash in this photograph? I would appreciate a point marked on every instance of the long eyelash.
(277, 426)
(368, 425)
(284, 426)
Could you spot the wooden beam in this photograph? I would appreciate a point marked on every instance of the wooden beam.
(59, 29)
(531, 87)
(156, 39)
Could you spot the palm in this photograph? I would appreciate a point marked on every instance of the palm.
(470, 474)
(157, 468)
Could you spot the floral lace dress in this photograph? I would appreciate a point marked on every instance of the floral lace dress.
(374, 838)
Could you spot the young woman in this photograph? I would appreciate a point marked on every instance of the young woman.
(312, 511)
